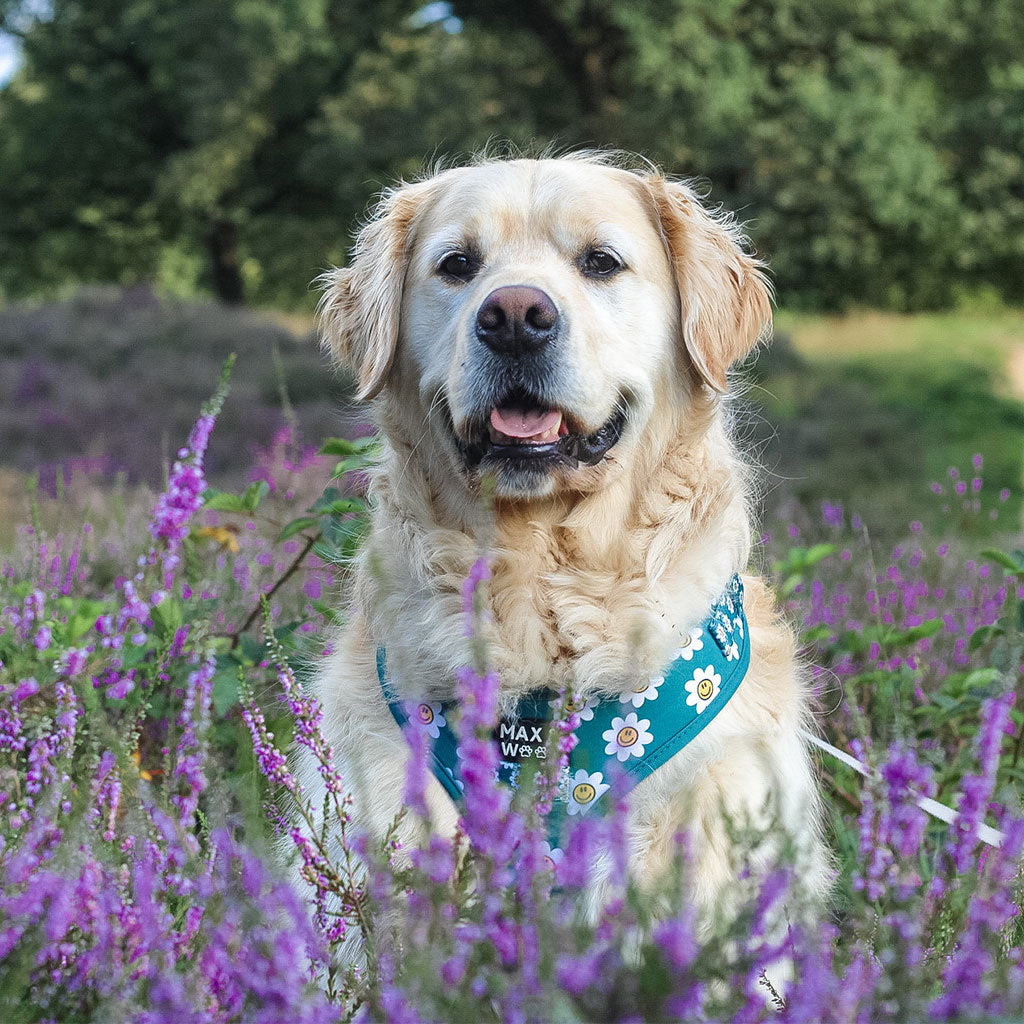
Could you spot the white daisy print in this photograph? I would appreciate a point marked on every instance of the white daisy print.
(738, 621)
(584, 788)
(429, 718)
(693, 643)
(552, 855)
(627, 737)
(703, 688)
(585, 709)
(732, 652)
(648, 691)
(459, 784)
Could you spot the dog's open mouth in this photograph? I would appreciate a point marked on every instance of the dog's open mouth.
(523, 431)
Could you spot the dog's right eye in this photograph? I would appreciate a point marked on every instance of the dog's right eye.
(458, 265)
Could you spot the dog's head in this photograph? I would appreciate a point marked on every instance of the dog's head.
(528, 315)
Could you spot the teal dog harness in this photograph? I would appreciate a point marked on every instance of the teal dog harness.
(627, 737)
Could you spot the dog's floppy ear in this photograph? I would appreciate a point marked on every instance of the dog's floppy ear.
(725, 296)
(360, 312)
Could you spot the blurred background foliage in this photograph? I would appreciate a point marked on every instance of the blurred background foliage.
(175, 173)
(875, 147)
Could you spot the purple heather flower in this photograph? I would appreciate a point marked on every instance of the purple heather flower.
(73, 661)
(188, 769)
(272, 763)
(579, 972)
(11, 727)
(977, 789)
(832, 514)
(479, 573)
(416, 772)
(677, 938)
(25, 689)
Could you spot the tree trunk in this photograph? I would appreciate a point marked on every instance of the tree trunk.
(222, 243)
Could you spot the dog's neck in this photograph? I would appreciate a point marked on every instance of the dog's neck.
(587, 590)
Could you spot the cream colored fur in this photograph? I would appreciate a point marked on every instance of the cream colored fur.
(596, 578)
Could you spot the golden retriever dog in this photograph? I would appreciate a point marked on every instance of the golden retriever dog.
(555, 335)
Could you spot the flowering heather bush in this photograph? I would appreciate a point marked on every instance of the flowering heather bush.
(63, 366)
(144, 723)
(117, 900)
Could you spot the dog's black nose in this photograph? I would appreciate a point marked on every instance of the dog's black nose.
(516, 320)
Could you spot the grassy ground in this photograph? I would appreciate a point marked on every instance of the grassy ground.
(990, 340)
(870, 409)
(866, 409)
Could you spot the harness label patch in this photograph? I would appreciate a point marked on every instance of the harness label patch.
(520, 739)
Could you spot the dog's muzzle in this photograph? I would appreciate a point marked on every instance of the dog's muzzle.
(518, 430)
(521, 432)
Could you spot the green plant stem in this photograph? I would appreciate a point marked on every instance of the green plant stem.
(236, 636)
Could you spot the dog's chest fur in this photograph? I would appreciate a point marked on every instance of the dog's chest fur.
(592, 596)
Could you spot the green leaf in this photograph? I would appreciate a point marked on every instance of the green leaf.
(297, 526)
(818, 553)
(330, 614)
(339, 506)
(326, 552)
(981, 678)
(983, 634)
(926, 629)
(801, 559)
(342, 446)
(81, 616)
(817, 634)
(346, 506)
(341, 537)
(223, 501)
(254, 494)
(225, 689)
(323, 503)
(1013, 563)
(132, 655)
(347, 465)
(333, 504)
(167, 616)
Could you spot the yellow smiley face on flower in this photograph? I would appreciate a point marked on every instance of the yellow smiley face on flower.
(552, 856)
(692, 643)
(584, 793)
(583, 789)
(583, 708)
(429, 718)
(703, 688)
(642, 692)
(627, 737)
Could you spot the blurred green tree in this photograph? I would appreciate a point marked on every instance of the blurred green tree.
(875, 148)
(140, 135)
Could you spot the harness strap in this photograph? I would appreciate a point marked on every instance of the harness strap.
(622, 738)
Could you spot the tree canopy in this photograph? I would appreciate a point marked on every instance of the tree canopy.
(874, 148)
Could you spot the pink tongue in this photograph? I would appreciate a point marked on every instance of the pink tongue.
(519, 423)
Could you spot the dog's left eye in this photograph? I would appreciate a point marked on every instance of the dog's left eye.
(601, 263)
